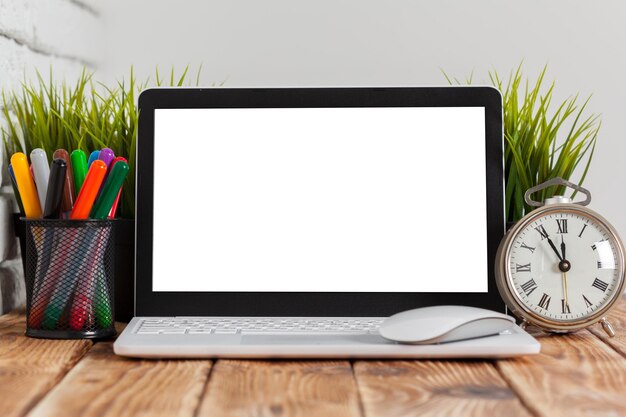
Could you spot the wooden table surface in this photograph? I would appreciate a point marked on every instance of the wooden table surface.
(575, 375)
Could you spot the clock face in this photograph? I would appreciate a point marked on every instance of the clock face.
(565, 265)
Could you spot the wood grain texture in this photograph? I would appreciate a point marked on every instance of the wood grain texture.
(434, 388)
(29, 368)
(617, 318)
(574, 375)
(103, 384)
(278, 388)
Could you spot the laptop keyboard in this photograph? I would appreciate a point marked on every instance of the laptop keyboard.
(253, 325)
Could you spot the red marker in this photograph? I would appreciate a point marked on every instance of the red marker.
(89, 191)
(119, 194)
(82, 306)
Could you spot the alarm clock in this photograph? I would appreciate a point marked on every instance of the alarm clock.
(561, 267)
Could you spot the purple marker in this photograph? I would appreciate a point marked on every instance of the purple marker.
(106, 156)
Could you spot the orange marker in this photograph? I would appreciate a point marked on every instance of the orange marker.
(26, 186)
(89, 191)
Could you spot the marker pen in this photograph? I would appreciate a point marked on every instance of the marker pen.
(89, 191)
(110, 190)
(68, 188)
(93, 157)
(41, 172)
(16, 191)
(56, 184)
(80, 167)
(26, 186)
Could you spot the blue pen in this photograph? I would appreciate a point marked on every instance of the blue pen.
(16, 191)
(93, 157)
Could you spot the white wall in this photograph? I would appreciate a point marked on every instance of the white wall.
(340, 42)
(400, 42)
(38, 35)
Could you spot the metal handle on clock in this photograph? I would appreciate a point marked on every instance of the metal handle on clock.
(553, 182)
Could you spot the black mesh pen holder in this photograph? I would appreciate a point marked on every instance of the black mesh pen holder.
(69, 279)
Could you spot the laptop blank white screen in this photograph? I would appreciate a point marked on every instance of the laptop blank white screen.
(320, 199)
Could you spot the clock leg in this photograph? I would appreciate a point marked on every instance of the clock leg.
(607, 327)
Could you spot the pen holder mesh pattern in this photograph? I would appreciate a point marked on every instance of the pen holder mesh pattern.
(69, 279)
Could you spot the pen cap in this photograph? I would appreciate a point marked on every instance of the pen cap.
(89, 191)
(79, 167)
(16, 192)
(93, 157)
(68, 187)
(111, 188)
(41, 172)
(56, 185)
(113, 211)
(26, 186)
(106, 155)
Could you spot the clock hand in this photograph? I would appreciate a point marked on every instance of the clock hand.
(555, 249)
(564, 277)
(564, 265)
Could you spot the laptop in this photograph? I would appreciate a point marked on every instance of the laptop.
(290, 222)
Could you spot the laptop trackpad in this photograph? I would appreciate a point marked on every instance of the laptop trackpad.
(348, 339)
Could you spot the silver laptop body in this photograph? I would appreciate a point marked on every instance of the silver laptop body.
(289, 222)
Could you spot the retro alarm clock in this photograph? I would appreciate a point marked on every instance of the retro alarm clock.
(561, 267)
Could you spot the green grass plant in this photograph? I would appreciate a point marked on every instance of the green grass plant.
(85, 115)
(541, 141)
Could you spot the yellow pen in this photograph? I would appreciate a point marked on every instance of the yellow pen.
(26, 186)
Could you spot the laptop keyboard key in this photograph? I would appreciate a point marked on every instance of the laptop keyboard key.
(225, 331)
(266, 326)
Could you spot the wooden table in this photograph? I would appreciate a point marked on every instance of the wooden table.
(579, 374)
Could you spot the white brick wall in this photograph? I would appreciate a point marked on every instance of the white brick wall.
(59, 35)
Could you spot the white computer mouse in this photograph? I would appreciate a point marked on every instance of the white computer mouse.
(442, 324)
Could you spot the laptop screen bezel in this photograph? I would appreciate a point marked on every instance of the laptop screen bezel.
(311, 304)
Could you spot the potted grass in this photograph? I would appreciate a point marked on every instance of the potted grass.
(86, 115)
(542, 141)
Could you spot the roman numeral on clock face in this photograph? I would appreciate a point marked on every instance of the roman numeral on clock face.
(562, 225)
(522, 268)
(544, 302)
(525, 246)
(529, 286)
(565, 307)
(599, 284)
(587, 302)
(542, 232)
(582, 231)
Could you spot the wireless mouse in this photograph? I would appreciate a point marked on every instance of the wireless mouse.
(441, 324)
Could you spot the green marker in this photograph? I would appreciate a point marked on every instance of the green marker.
(79, 166)
(104, 315)
(109, 191)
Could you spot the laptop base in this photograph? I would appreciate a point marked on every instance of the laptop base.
(511, 343)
